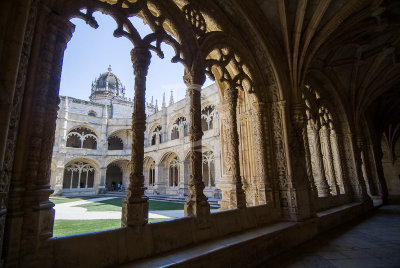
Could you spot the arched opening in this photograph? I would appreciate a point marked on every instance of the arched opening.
(173, 175)
(114, 177)
(115, 143)
(179, 128)
(82, 137)
(208, 169)
(156, 135)
(207, 117)
(78, 175)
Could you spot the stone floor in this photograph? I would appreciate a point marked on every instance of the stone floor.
(372, 241)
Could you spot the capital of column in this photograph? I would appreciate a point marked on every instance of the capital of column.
(298, 116)
(141, 60)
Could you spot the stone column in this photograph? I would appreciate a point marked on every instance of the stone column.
(183, 191)
(309, 168)
(301, 200)
(135, 207)
(261, 151)
(233, 195)
(31, 214)
(101, 188)
(316, 159)
(337, 161)
(196, 202)
(357, 181)
(327, 154)
(363, 148)
(59, 179)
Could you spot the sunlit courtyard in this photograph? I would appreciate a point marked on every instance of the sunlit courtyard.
(96, 213)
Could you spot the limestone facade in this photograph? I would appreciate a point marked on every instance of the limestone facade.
(93, 143)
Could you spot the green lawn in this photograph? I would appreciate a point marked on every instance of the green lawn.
(115, 204)
(70, 227)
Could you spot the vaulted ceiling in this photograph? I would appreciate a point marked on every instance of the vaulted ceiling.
(352, 46)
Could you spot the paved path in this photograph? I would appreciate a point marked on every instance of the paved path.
(371, 241)
(70, 211)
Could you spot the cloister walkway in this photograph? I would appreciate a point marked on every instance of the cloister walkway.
(370, 241)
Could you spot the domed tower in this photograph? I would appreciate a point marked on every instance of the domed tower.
(107, 87)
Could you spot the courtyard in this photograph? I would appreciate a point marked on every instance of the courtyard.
(77, 215)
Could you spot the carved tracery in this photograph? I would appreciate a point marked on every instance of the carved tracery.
(81, 138)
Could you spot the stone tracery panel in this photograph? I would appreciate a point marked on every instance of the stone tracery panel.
(81, 138)
(78, 175)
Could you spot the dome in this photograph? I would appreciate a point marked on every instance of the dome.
(107, 86)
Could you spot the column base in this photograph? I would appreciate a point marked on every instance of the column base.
(135, 213)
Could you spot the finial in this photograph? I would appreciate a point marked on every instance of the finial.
(156, 106)
(151, 100)
(109, 68)
(171, 99)
(163, 100)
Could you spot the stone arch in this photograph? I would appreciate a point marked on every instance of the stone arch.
(80, 174)
(82, 137)
(117, 172)
(170, 169)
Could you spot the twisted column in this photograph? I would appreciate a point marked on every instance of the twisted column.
(196, 202)
(233, 195)
(135, 207)
(316, 157)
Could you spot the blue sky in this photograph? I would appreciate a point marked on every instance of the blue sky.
(90, 51)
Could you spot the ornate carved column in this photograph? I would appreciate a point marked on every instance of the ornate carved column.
(378, 154)
(301, 197)
(196, 202)
(353, 162)
(337, 161)
(31, 214)
(328, 159)
(316, 158)
(135, 207)
(267, 196)
(309, 168)
(233, 195)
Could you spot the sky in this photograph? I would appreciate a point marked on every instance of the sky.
(91, 51)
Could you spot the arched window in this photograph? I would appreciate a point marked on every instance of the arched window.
(115, 143)
(156, 134)
(179, 124)
(174, 172)
(208, 169)
(78, 175)
(92, 113)
(152, 174)
(82, 138)
(207, 116)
